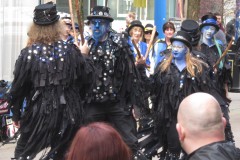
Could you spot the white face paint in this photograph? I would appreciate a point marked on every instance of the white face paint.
(208, 32)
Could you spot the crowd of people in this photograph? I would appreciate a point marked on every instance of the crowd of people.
(86, 101)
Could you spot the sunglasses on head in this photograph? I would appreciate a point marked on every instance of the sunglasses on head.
(148, 32)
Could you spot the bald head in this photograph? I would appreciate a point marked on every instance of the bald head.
(200, 112)
(200, 121)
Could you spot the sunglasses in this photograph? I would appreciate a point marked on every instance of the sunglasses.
(148, 32)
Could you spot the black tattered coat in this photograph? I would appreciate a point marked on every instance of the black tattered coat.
(52, 79)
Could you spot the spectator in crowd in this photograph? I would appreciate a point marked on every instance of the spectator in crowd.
(87, 33)
(67, 35)
(168, 30)
(130, 17)
(219, 21)
(156, 47)
(50, 75)
(98, 141)
(220, 34)
(201, 129)
(136, 33)
(148, 33)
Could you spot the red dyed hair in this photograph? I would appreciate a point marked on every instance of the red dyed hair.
(98, 141)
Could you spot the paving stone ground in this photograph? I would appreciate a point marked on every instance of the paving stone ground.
(6, 151)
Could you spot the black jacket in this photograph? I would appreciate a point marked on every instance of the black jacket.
(216, 151)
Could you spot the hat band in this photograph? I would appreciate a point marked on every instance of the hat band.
(180, 37)
(148, 28)
(210, 21)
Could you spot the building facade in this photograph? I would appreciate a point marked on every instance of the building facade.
(16, 16)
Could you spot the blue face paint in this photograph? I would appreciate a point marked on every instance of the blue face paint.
(208, 32)
(99, 28)
(179, 50)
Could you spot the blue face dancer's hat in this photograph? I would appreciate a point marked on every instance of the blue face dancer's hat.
(192, 28)
(45, 14)
(209, 20)
(184, 37)
(100, 12)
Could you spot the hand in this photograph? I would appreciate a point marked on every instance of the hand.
(215, 71)
(133, 113)
(84, 48)
(140, 60)
(16, 124)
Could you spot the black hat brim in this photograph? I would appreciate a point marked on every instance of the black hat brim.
(209, 24)
(99, 17)
(135, 25)
(182, 40)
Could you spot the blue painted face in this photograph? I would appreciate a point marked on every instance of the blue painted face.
(99, 28)
(179, 50)
(208, 32)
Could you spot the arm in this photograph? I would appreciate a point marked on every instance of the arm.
(21, 84)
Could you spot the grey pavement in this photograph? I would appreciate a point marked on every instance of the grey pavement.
(6, 151)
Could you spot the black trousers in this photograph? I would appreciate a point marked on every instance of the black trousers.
(173, 144)
(117, 114)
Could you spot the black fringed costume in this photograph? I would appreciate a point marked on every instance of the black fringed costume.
(117, 75)
(221, 77)
(117, 88)
(52, 78)
(169, 88)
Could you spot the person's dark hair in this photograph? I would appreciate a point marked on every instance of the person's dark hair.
(209, 13)
(98, 141)
(217, 14)
(168, 25)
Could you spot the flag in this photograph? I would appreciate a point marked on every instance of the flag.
(139, 3)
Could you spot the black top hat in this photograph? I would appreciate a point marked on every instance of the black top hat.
(209, 20)
(135, 23)
(192, 28)
(101, 12)
(149, 27)
(45, 14)
(183, 37)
